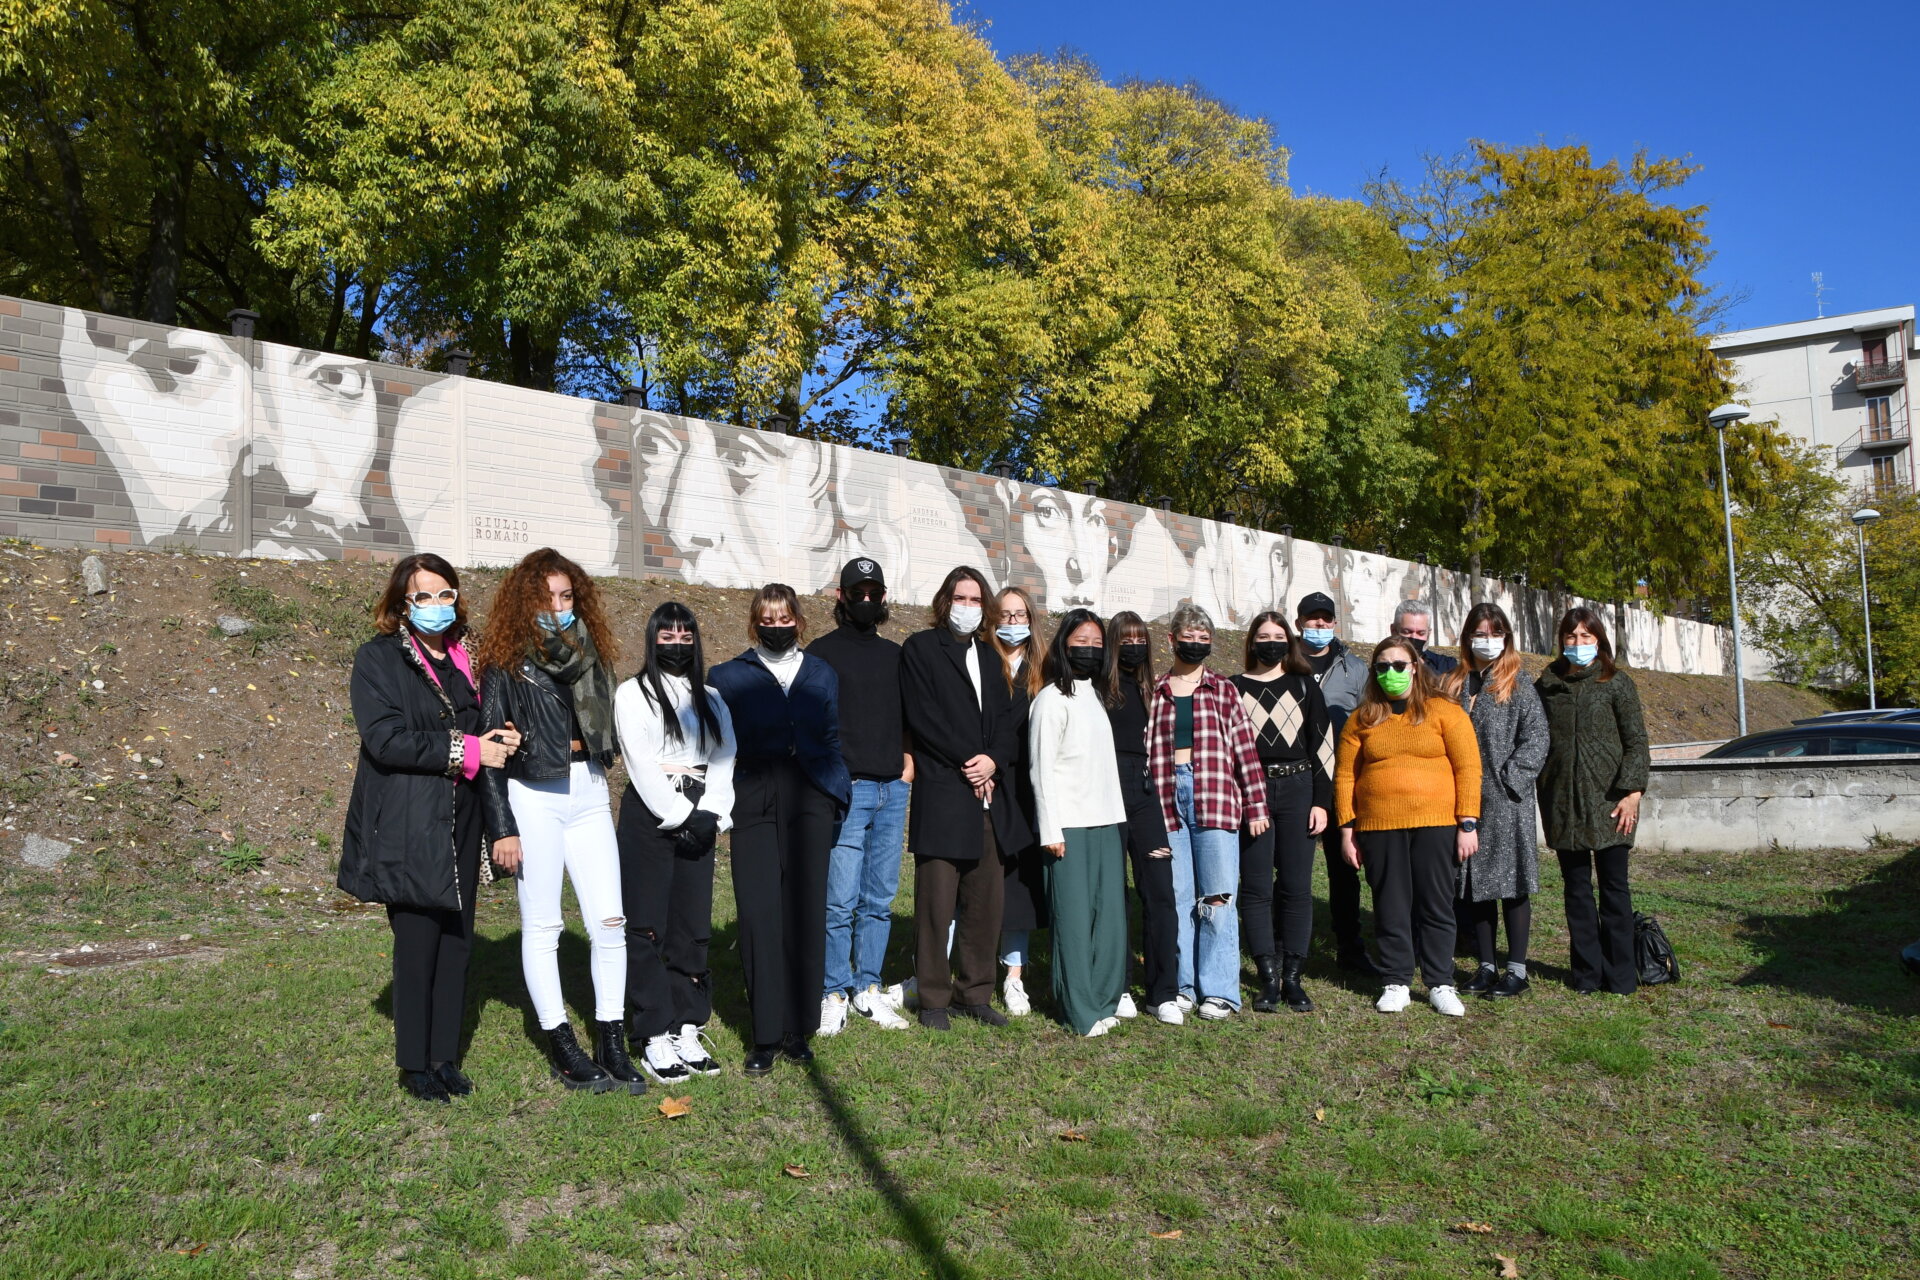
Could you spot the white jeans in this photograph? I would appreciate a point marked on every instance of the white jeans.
(566, 828)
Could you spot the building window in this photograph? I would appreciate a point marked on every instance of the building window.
(1879, 417)
(1884, 477)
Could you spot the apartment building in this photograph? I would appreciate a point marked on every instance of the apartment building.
(1839, 384)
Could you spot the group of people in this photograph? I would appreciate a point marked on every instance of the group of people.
(1026, 776)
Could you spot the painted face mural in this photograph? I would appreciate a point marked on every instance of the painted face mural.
(711, 499)
(1072, 544)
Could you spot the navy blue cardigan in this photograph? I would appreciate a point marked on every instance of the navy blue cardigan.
(803, 721)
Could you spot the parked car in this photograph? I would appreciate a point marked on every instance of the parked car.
(1825, 737)
(1897, 714)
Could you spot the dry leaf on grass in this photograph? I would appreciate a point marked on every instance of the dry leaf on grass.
(65, 759)
(1166, 1235)
(1073, 1135)
(1474, 1228)
(796, 1171)
(671, 1107)
(1320, 1114)
(1780, 1026)
(196, 1250)
(1509, 1269)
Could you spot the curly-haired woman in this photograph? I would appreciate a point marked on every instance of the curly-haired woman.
(546, 663)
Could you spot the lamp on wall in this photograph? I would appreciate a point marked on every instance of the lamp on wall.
(780, 424)
(1861, 519)
(1163, 502)
(241, 321)
(1722, 418)
(458, 362)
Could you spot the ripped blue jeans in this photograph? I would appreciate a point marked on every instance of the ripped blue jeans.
(1206, 864)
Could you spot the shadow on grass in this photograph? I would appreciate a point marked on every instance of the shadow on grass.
(1849, 950)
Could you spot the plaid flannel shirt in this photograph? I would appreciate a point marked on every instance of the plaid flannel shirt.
(1228, 785)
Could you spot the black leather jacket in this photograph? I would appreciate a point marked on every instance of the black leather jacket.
(542, 711)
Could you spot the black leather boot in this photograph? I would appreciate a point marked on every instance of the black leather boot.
(1291, 992)
(424, 1085)
(1484, 979)
(1268, 1001)
(571, 1066)
(610, 1052)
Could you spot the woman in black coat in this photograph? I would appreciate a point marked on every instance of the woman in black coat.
(413, 837)
(1128, 693)
(1009, 632)
(964, 811)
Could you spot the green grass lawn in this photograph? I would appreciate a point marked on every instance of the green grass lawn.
(236, 1115)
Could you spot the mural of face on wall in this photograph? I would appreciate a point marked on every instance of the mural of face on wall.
(170, 412)
(713, 496)
(1239, 571)
(1072, 542)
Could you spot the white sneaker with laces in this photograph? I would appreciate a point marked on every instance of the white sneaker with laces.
(1099, 1028)
(1393, 999)
(833, 1014)
(1127, 1009)
(873, 1005)
(904, 995)
(1185, 1002)
(1215, 1009)
(1013, 993)
(662, 1062)
(1446, 1000)
(1169, 1013)
(695, 1051)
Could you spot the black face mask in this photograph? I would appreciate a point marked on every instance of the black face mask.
(866, 613)
(1419, 646)
(778, 639)
(676, 659)
(1269, 653)
(1085, 660)
(1192, 650)
(1133, 656)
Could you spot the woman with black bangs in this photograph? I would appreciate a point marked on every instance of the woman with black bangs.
(1080, 813)
(1127, 691)
(677, 738)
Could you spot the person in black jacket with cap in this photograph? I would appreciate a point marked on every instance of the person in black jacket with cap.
(413, 836)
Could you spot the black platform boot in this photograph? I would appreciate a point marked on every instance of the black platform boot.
(1291, 992)
(571, 1066)
(1268, 1001)
(610, 1051)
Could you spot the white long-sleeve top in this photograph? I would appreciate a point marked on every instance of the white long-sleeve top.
(1076, 778)
(648, 750)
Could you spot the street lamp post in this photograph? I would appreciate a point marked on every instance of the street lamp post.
(1722, 418)
(1861, 519)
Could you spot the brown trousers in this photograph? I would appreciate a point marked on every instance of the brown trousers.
(946, 892)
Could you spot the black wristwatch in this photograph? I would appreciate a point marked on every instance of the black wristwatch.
(1469, 825)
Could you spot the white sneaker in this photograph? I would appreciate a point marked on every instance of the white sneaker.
(695, 1051)
(1169, 1013)
(1101, 1027)
(1185, 1002)
(873, 1005)
(1446, 1000)
(1393, 999)
(904, 995)
(1013, 994)
(1215, 1009)
(833, 1014)
(662, 1062)
(1127, 1009)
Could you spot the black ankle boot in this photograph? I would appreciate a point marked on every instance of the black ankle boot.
(1484, 980)
(1268, 1001)
(610, 1051)
(571, 1066)
(1291, 992)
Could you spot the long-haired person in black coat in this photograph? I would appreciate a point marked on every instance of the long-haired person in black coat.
(964, 811)
(414, 827)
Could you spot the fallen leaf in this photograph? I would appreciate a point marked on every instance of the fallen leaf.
(1073, 1135)
(796, 1171)
(1320, 1114)
(196, 1250)
(1474, 1228)
(66, 759)
(1509, 1269)
(1780, 1026)
(1166, 1235)
(671, 1107)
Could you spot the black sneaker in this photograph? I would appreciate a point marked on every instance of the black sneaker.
(935, 1020)
(797, 1049)
(425, 1085)
(982, 1013)
(760, 1061)
(455, 1082)
(1510, 985)
(1482, 981)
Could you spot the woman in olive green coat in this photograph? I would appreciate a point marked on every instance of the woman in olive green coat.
(1597, 765)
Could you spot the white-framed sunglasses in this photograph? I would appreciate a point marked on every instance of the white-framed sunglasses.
(431, 597)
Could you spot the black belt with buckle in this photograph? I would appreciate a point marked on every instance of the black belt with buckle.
(1287, 768)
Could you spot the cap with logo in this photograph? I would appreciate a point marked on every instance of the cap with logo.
(1315, 603)
(860, 569)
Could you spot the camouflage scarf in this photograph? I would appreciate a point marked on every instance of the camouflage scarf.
(573, 661)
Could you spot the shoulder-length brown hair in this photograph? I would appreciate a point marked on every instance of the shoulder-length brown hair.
(775, 593)
(1375, 706)
(1295, 663)
(942, 605)
(1127, 627)
(511, 632)
(1581, 616)
(1031, 677)
(390, 613)
(1503, 672)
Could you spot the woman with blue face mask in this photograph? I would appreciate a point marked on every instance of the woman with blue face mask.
(413, 833)
(1596, 769)
(1010, 628)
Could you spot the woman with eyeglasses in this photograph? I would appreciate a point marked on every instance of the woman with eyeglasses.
(1596, 770)
(1023, 907)
(1504, 872)
(414, 835)
(1406, 793)
(1294, 733)
(677, 739)
(546, 663)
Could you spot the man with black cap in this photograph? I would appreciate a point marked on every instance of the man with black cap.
(864, 874)
(1343, 679)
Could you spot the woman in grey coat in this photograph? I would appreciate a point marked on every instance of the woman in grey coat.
(1512, 728)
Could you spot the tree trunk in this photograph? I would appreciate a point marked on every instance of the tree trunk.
(167, 239)
(73, 200)
(337, 311)
(532, 357)
(369, 315)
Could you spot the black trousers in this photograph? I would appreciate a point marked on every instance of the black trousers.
(1486, 921)
(430, 954)
(967, 895)
(1411, 872)
(1343, 892)
(783, 829)
(669, 905)
(1601, 942)
(1276, 872)
(1153, 883)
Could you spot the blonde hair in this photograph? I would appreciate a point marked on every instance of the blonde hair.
(1503, 672)
(1375, 706)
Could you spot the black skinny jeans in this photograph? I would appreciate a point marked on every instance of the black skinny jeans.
(430, 953)
(783, 829)
(1601, 942)
(1276, 872)
(669, 904)
(1153, 882)
(1411, 872)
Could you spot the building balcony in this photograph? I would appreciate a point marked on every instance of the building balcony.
(1878, 437)
(1880, 373)
(1888, 486)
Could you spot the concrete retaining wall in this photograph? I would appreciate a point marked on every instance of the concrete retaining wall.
(1808, 802)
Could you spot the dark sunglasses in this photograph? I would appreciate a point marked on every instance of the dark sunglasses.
(1380, 667)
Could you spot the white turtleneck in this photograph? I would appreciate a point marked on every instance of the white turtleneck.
(784, 666)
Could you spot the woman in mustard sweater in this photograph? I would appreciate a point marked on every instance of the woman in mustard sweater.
(1406, 792)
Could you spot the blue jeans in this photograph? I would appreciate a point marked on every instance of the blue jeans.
(1013, 946)
(862, 878)
(1206, 864)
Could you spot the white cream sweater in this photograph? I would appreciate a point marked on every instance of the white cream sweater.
(1076, 779)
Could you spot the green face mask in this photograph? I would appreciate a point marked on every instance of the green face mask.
(1395, 684)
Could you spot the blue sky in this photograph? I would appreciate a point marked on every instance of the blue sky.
(1803, 117)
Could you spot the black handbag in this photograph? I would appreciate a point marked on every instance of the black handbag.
(1910, 958)
(1652, 953)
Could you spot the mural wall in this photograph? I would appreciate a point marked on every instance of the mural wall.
(119, 433)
